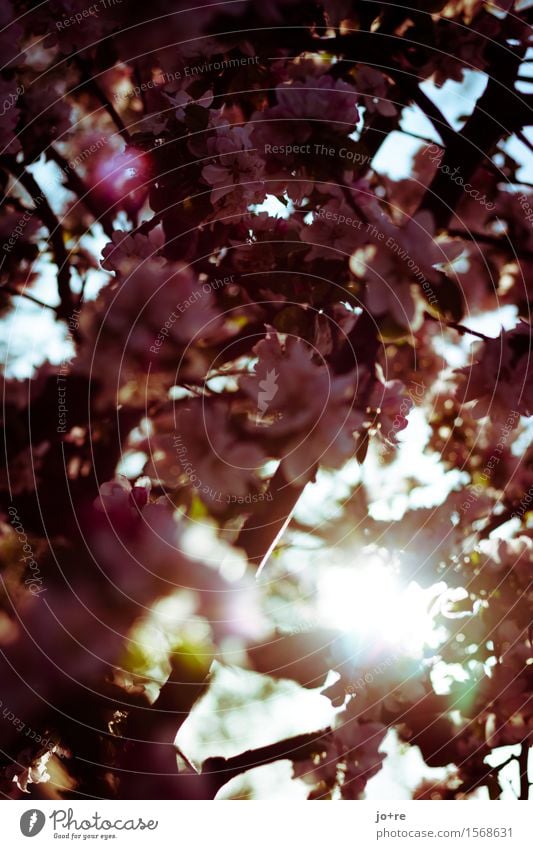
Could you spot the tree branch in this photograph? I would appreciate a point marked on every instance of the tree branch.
(495, 116)
(459, 327)
(92, 86)
(496, 241)
(76, 185)
(523, 760)
(267, 523)
(55, 231)
(13, 291)
(222, 770)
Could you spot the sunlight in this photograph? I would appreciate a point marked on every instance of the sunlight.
(369, 600)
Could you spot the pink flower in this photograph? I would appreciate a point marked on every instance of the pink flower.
(181, 100)
(396, 259)
(373, 85)
(301, 401)
(500, 382)
(335, 232)
(389, 287)
(238, 168)
(393, 404)
(120, 501)
(158, 300)
(304, 103)
(324, 99)
(205, 453)
(126, 249)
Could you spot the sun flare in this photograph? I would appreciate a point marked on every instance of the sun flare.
(368, 599)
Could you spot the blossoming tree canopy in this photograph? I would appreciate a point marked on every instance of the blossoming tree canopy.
(267, 477)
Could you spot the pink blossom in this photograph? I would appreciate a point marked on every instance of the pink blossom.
(304, 104)
(126, 249)
(212, 459)
(393, 404)
(322, 99)
(312, 409)
(238, 168)
(396, 259)
(335, 232)
(500, 381)
(373, 85)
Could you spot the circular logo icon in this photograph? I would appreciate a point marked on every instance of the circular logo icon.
(32, 822)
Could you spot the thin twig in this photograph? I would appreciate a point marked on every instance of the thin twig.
(459, 327)
(520, 135)
(422, 138)
(91, 84)
(13, 291)
(496, 241)
(433, 113)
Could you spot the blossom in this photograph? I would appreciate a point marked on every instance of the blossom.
(125, 250)
(238, 169)
(324, 99)
(393, 404)
(207, 454)
(301, 105)
(396, 259)
(500, 381)
(157, 301)
(346, 758)
(181, 100)
(137, 541)
(373, 86)
(121, 501)
(146, 552)
(335, 232)
(389, 289)
(306, 405)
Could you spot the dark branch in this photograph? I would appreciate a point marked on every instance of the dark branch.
(55, 231)
(91, 85)
(523, 760)
(222, 770)
(74, 182)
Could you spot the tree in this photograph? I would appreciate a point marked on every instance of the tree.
(276, 261)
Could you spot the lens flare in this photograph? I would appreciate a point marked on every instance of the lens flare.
(367, 599)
